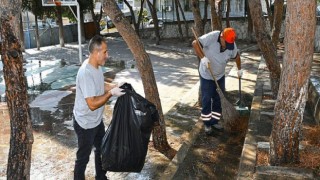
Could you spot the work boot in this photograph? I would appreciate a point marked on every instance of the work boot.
(208, 130)
(218, 127)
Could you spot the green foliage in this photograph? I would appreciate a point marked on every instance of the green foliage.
(144, 15)
(103, 23)
(66, 12)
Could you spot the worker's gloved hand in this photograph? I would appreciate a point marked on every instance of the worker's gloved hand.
(120, 84)
(240, 72)
(205, 61)
(116, 91)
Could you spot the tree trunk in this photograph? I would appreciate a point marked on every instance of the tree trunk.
(293, 92)
(153, 9)
(227, 14)
(278, 14)
(135, 24)
(215, 20)
(266, 45)
(199, 27)
(184, 19)
(60, 23)
(95, 19)
(21, 138)
(178, 18)
(37, 32)
(198, 24)
(205, 13)
(83, 37)
(250, 23)
(270, 15)
(21, 36)
(146, 71)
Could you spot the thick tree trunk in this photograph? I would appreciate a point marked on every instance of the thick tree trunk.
(146, 71)
(293, 92)
(278, 14)
(60, 23)
(266, 45)
(215, 20)
(198, 24)
(21, 138)
(37, 32)
(153, 9)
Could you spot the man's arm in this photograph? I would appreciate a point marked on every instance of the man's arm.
(108, 86)
(98, 101)
(197, 49)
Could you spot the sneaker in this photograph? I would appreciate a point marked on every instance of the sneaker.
(207, 130)
(218, 127)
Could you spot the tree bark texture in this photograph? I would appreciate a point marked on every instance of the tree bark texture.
(60, 23)
(266, 46)
(293, 92)
(146, 71)
(270, 15)
(153, 9)
(21, 138)
(198, 24)
(278, 14)
(215, 20)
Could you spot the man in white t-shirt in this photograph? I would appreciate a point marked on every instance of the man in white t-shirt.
(218, 48)
(91, 95)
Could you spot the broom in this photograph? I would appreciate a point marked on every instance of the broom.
(229, 113)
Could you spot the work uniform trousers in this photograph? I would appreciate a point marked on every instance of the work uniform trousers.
(88, 138)
(211, 104)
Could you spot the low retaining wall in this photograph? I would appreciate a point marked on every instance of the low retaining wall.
(171, 30)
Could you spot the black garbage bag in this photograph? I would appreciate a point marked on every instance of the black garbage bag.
(125, 144)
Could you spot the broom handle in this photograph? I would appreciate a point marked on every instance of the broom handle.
(209, 65)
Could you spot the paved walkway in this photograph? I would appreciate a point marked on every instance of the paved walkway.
(175, 69)
(55, 142)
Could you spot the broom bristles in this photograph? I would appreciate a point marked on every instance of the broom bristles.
(229, 113)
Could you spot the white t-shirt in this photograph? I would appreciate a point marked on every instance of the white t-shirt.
(218, 60)
(89, 83)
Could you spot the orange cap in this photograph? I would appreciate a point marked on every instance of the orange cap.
(229, 35)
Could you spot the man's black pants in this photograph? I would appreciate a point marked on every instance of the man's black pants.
(88, 138)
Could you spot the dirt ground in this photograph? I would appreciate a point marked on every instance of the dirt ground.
(216, 156)
(309, 155)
